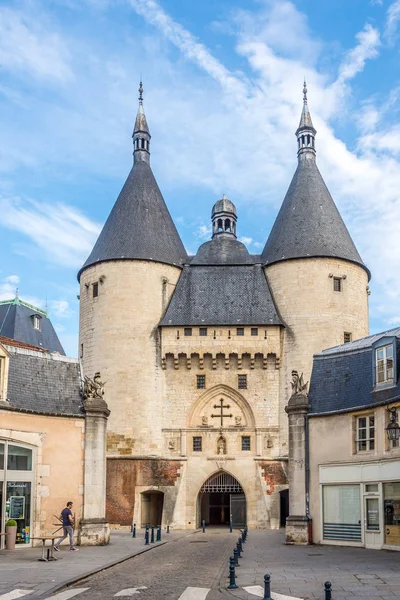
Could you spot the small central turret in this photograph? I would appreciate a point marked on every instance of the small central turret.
(223, 216)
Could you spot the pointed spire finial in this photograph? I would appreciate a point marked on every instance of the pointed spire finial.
(16, 292)
(305, 132)
(305, 91)
(140, 90)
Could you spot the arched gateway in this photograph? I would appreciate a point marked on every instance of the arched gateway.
(221, 498)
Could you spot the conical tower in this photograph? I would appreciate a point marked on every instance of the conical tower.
(125, 285)
(316, 275)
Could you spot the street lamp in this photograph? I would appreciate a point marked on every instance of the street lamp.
(393, 429)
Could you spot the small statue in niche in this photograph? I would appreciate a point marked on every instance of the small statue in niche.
(171, 444)
(221, 445)
(238, 421)
(204, 420)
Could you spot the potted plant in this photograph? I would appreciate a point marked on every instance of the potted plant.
(11, 534)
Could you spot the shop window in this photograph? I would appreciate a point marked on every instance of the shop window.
(391, 505)
(19, 458)
(245, 442)
(197, 443)
(365, 433)
(242, 382)
(341, 513)
(201, 382)
(384, 364)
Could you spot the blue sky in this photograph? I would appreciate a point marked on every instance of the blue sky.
(223, 93)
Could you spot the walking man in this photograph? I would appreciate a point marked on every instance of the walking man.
(67, 523)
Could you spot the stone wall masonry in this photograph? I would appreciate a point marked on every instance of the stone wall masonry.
(125, 476)
(119, 337)
(315, 316)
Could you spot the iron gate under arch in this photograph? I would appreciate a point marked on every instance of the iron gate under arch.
(221, 498)
(222, 482)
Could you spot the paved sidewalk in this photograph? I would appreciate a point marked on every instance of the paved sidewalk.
(301, 571)
(21, 569)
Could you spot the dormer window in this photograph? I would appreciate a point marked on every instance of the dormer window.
(384, 364)
(36, 322)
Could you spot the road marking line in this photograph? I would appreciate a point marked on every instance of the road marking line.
(130, 591)
(15, 594)
(67, 594)
(192, 593)
(257, 590)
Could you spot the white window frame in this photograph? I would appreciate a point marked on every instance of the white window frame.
(369, 440)
(386, 371)
(36, 322)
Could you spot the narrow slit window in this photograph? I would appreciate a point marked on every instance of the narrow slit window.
(337, 284)
(246, 443)
(95, 290)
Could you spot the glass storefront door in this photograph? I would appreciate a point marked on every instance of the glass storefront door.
(16, 481)
(391, 501)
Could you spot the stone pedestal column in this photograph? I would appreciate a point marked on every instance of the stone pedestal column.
(93, 528)
(297, 522)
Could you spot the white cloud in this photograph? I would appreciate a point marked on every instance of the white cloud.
(13, 279)
(246, 240)
(203, 232)
(8, 291)
(62, 232)
(367, 48)
(60, 308)
(26, 46)
(392, 20)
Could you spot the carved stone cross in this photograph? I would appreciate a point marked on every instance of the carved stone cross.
(221, 407)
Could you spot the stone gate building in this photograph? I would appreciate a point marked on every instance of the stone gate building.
(197, 351)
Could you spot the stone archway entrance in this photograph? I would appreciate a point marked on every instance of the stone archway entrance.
(152, 508)
(221, 498)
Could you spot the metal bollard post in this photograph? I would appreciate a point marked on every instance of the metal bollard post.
(147, 526)
(203, 525)
(167, 528)
(238, 549)
(158, 537)
(232, 585)
(235, 555)
(134, 530)
(243, 536)
(328, 590)
(240, 545)
(267, 587)
(152, 535)
(146, 537)
(230, 526)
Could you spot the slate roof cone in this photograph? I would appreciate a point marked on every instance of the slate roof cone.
(308, 223)
(139, 226)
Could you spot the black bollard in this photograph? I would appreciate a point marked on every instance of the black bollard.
(147, 526)
(240, 545)
(328, 590)
(230, 526)
(236, 555)
(146, 536)
(167, 528)
(152, 535)
(238, 549)
(134, 530)
(158, 537)
(243, 536)
(267, 587)
(203, 525)
(232, 585)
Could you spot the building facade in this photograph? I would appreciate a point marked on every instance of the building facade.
(354, 477)
(197, 351)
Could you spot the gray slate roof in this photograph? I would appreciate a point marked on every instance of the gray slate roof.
(221, 295)
(43, 382)
(223, 249)
(139, 225)
(308, 223)
(16, 323)
(342, 377)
